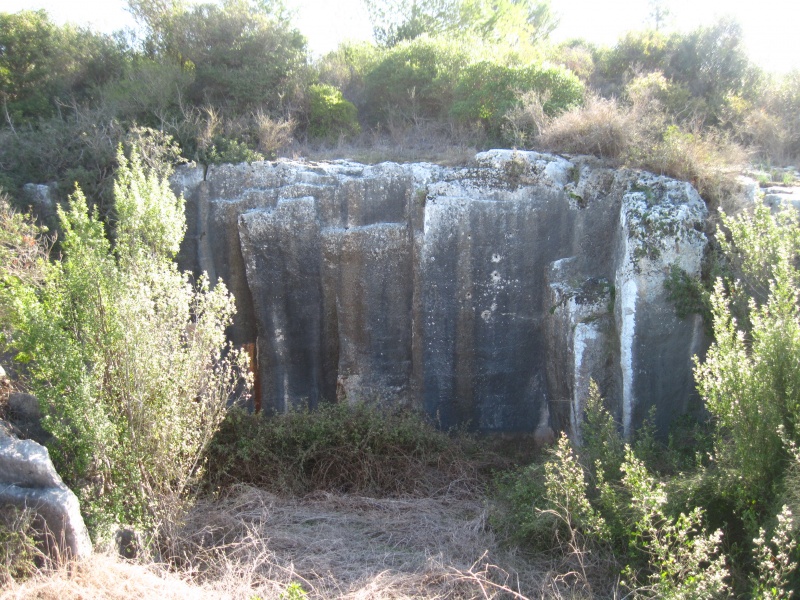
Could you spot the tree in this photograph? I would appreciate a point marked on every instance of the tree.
(712, 62)
(41, 64)
(660, 14)
(126, 355)
(395, 21)
(244, 53)
(512, 22)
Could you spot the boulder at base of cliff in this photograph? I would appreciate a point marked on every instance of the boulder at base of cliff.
(28, 480)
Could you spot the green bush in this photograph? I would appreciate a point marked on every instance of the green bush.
(126, 356)
(516, 492)
(414, 80)
(80, 147)
(487, 91)
(600, 500)
(682, 560)
(224, 149)
(330, 115)
(751, 385)
(357, 448)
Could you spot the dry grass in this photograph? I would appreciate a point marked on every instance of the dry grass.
(253, 544)
(435, 142)
(600, 127)
(640, 136)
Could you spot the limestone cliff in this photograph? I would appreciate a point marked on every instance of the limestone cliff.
(489, 294)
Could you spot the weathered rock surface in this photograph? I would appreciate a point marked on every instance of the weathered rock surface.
(29, 480)
(489, 295)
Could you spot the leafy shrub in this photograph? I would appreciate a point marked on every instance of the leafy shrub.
(244, 54)
(516, 492)
(24, 251)
(346, 67)
(486, 91)
(749, 383)
(601, 442)
(157, 150)
(603, 502)
(81, 146)
(688, 294)
(567, 498)
(149, 93)
(43, 63)
(229, 150)
(357, 449)
(414, 80)
(126, 356)
(330, 115)
(682, 560)
(774, 558)
(653, 89)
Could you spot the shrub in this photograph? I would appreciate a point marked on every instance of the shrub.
(272, 134)
(774, 559)
(524, 121)
(18, 551)
(244, 54)
(516, 493)
(81, 146)
(330, 115)
(126, 356)
(566, 497)
(346, 67)
(599, 127)
(414, 80)
(24, 251)
(149, 93)
(749, 379)
(771, 124)
(486, 91)
(157, 150)
(673, 98)
(358, 449)
(707, 160)
(689, 295)
(683, 561)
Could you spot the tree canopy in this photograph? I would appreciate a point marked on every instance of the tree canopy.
(513, 22)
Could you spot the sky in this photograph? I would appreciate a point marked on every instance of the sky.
(770, 26)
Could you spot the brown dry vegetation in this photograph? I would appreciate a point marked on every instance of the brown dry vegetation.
(641, 136)
(254, 544)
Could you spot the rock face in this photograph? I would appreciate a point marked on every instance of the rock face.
(489, 295)
(29, 480)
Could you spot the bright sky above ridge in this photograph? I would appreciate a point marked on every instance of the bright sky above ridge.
(770, 26)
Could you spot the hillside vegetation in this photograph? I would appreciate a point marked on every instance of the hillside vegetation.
(361, 501)
(233, 82)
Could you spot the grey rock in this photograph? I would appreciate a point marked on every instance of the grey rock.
(488, 295)
(41, 197)
(778, 196)
(29, 480)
